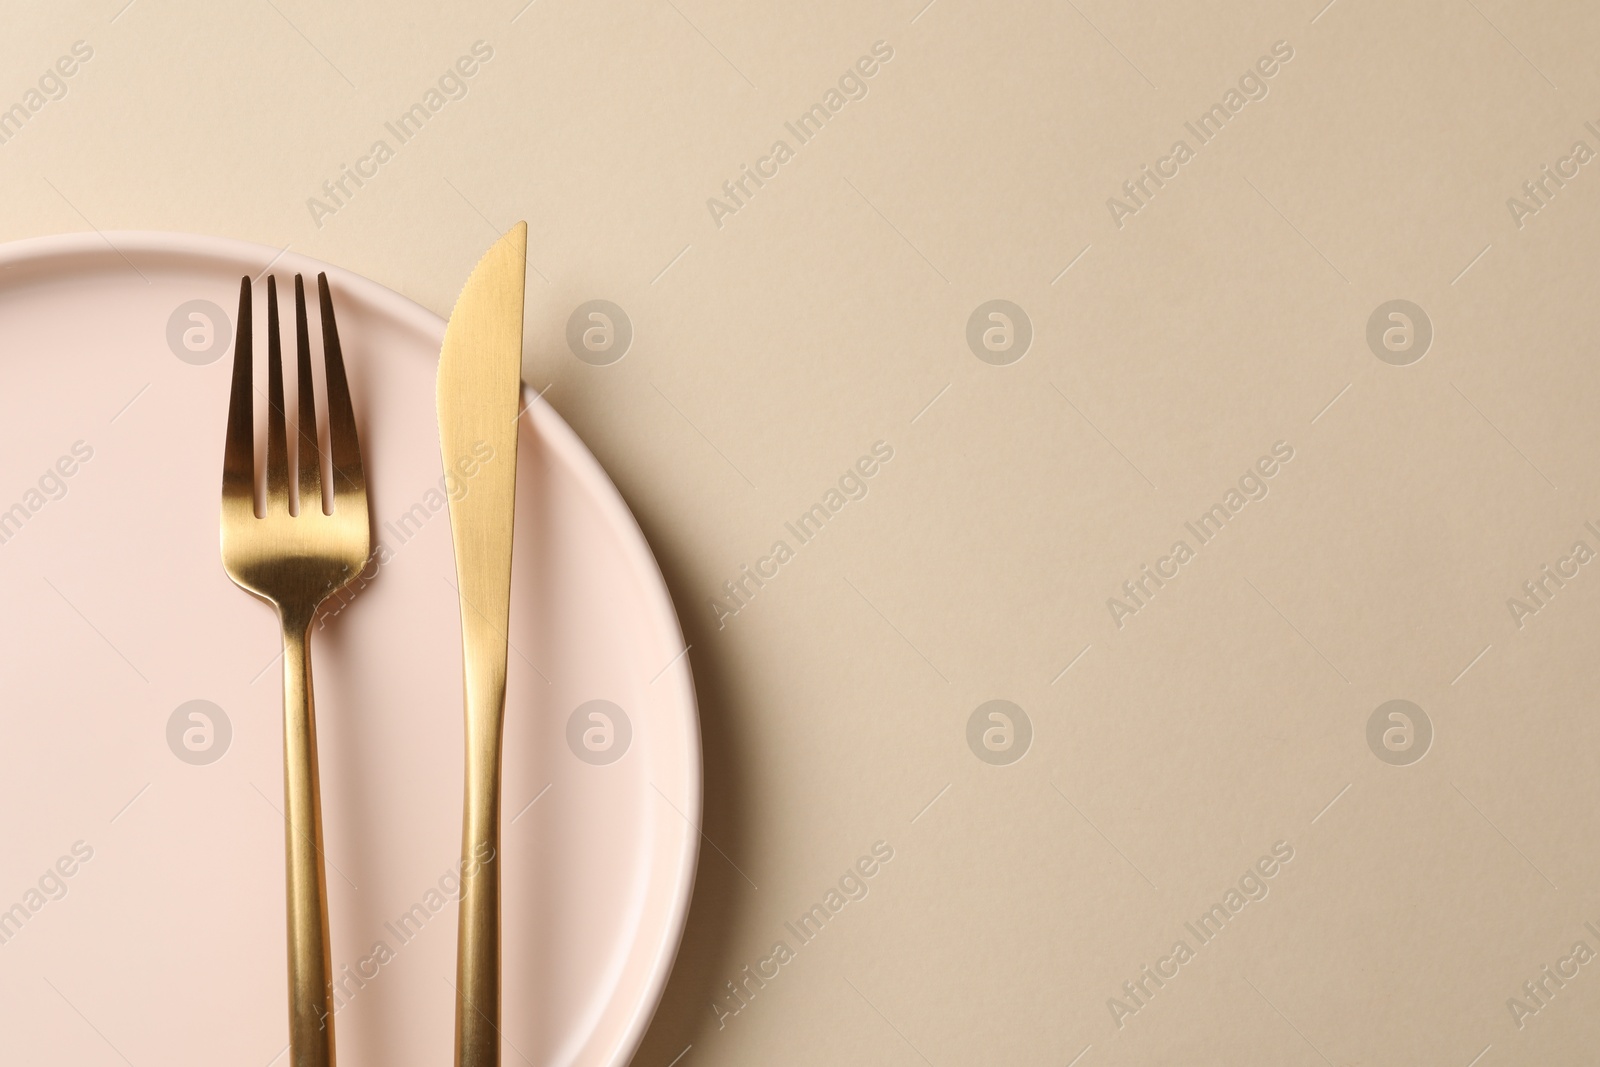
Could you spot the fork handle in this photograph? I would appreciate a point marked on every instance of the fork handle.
(311, 1003)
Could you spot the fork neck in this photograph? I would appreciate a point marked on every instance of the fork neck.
(296, 624)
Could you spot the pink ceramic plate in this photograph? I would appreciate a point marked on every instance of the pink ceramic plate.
(140, 763)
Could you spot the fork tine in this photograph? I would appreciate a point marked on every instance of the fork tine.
(343, 445)
(277, 435)
(239, 452)
(310, 463)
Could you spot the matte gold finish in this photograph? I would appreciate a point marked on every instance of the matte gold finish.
(480, 387)
(294, 560)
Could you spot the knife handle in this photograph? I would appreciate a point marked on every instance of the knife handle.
(478, 944)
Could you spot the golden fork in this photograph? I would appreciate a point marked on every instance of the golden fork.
(294, 559)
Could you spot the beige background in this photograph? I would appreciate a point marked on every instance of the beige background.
(830, 312)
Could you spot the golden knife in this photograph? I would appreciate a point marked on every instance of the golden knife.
(480, 389)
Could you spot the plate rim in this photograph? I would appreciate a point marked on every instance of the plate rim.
(685, 859)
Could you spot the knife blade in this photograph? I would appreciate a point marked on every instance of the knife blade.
(479, 393)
